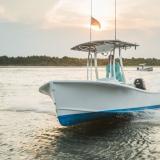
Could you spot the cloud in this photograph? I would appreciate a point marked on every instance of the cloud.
(5, 16)
(142, 14)
(66, 13)
(29, 12)
(137, 20)
(130, 14)
(50, 14)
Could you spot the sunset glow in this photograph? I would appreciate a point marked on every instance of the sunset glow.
(40, 26)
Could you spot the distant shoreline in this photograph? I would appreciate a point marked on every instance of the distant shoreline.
(50, 62)
(62, 66)
(44, 66)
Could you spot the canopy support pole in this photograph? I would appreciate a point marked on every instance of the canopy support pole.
(110, 65)
(114, 71)
(95, 64)
(89, 66)
(121, 63)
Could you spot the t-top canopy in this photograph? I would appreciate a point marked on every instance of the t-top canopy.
(103, 46)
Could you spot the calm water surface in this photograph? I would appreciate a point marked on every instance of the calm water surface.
(29, 129)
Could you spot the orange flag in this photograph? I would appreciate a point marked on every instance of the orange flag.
(95, 23)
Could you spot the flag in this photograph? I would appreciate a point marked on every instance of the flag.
(95, 23)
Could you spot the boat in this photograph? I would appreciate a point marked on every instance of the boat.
(78, 101)
(143, 67)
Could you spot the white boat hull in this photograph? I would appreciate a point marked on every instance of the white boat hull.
(80, 101)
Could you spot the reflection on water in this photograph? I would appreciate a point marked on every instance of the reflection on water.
(114, 138)
(29, 128)
(86, 141)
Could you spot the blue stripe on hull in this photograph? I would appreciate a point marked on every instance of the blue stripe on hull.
(73, 119)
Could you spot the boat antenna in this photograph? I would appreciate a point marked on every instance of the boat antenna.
(115, 19)
(91, 23)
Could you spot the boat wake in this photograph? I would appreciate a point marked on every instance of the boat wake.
(49, 112)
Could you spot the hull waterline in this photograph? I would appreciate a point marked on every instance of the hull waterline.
(81, 101)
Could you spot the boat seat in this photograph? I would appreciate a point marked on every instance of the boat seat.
(118, 71)
(139, 83)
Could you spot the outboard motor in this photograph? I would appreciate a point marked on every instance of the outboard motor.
(139, 83)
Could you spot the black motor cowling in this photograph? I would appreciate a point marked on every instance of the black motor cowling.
(139, 83)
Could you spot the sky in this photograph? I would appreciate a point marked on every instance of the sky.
(52, 27)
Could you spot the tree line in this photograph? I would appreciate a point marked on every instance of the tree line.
(68, 61)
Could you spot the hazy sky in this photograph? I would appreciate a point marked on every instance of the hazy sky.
(52, 27)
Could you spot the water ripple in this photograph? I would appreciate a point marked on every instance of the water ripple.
(29, 128)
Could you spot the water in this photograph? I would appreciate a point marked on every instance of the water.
(29, 128)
